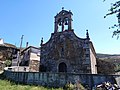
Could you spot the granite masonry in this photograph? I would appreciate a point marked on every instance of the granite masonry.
(65, 52)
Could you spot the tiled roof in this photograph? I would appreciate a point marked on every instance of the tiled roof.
(8, 45)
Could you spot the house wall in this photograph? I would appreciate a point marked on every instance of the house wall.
(25, 58)
(32, 56)
(93, 62)
(1, 41)
(7, 53)
(34, 59)
(15, 60)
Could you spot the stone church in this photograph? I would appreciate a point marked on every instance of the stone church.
(66, 52)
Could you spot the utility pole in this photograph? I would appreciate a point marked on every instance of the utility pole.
(19, 56)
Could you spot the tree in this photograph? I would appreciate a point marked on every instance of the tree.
(8, 62)
(115, 9)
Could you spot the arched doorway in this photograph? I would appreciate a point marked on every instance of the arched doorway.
(62, 67)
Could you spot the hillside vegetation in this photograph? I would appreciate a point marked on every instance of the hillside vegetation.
(108, 64)
(110, 56)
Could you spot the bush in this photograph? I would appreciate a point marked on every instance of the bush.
(76, 86)
(8, 62)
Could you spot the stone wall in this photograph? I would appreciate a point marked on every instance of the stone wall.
(31, 57)
(7, 52)
(67, 49)
(59, 79)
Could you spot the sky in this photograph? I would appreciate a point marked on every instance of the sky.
(35, 19)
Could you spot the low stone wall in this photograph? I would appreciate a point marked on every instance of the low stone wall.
(59, 79)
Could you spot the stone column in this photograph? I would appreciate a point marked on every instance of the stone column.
(69, 23)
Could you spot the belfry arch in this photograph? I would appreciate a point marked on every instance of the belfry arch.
(63, 20)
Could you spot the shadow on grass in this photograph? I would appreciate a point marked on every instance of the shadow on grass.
(2, 77)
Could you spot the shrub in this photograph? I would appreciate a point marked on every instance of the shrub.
(8, 62)
(76, 86)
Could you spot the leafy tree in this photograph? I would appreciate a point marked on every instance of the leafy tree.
(115, 9)
(105, 66)
(8, 62)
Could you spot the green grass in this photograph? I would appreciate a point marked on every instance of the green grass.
(7, 85)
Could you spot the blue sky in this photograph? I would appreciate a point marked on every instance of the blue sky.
(35, 19)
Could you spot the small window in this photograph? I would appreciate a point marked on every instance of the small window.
(28, 52)
(87, 55)
(62, 52)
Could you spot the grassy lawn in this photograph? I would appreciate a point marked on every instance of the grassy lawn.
(7, 85)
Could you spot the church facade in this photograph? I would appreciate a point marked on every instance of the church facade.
(66, 52)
